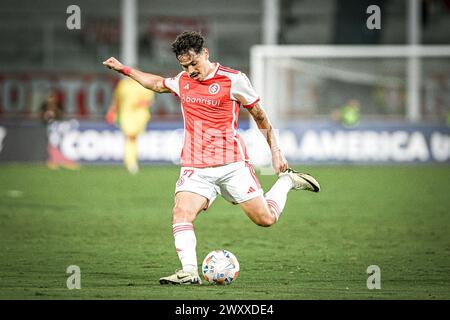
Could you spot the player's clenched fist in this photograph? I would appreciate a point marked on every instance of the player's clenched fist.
(113, 63)
(279, 162)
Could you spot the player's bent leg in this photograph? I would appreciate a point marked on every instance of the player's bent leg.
(259, 212)
(289, 180)
(242, 187)
(187, 206)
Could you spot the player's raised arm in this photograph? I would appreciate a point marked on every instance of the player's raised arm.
(262, 121)
(147, 80)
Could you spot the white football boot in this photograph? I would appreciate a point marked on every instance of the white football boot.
(302, 181)
(181, 277)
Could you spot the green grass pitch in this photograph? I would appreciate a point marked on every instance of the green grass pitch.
(117, 229)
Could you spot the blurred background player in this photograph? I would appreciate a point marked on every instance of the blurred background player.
(348, 115)
(52, 114)
(130, 109)
(52, 108)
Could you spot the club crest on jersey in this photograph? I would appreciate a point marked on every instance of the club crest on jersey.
(214, 88)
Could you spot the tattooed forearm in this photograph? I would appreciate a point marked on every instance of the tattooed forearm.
(260, 117)
(264, 125)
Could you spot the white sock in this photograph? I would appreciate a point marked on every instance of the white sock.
(276, 197)
(185, 243)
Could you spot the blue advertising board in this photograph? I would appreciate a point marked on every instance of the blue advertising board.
(302, 143)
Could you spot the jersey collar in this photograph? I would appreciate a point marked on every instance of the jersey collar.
(213, 74)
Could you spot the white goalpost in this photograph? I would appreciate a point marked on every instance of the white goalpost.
(301, 81)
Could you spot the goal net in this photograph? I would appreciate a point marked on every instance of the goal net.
(402, 83)
(398, 91)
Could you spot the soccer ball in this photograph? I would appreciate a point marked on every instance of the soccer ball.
(220, 267)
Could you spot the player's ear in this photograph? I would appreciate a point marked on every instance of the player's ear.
(206, 53)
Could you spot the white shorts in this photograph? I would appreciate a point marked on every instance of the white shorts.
(235, 182)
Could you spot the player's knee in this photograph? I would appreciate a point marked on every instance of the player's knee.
(182, 214)
(265, 220)
(267, 223)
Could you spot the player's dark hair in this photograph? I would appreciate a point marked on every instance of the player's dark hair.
(186, 41)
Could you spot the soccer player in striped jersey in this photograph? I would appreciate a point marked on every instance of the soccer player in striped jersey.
(214, 157)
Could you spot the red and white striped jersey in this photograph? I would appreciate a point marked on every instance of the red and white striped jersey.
(210, 111)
